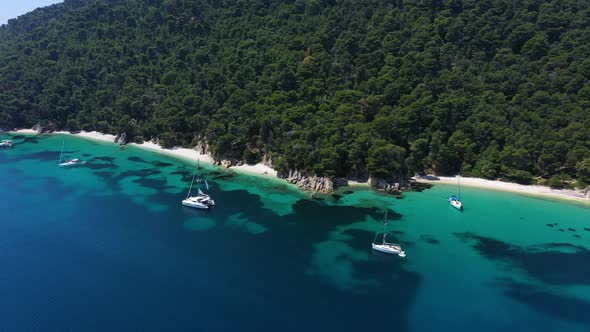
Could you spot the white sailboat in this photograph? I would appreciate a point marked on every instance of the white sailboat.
(455, 201)
(70, 162)
(201, 200)
(6, 143)
(386, 247)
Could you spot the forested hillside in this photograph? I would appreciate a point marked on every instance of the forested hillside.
(492, 88)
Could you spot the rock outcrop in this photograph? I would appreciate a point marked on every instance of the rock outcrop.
(314, 183)
(387, 185)
(38, 129)
(121, 139)
(266, 160)
(202, 147)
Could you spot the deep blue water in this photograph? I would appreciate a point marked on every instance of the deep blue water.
(109, 247)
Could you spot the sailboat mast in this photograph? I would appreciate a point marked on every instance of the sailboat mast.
(62, 150)
(384, 224)
(459, 182)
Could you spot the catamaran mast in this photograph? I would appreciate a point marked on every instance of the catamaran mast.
(199, 180)
(191, 187)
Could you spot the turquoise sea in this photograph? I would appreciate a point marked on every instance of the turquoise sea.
(109, 247)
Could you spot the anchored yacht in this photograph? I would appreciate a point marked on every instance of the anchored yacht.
(386, 247)
(202, 200)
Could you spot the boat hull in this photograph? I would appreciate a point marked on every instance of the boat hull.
(66, 165)
(457, 205)
(194, 205)
(388, 249)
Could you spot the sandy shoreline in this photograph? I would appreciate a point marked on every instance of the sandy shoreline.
(193, 155)
(263, 170)
(258, 169)
(183, 153)
(95, 135)
(24, 131)
(507, 186)
(178, 152)
(354, 183)
(92, 135)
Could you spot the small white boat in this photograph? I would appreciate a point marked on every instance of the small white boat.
(386, 247)
(72, 163)
(455, 201)
(202, 200)
(389, 249)
(6, 144)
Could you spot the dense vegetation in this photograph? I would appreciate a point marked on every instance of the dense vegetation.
(493, 88)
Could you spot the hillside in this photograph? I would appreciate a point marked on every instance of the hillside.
(491, 88)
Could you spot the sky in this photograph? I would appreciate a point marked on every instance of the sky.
(13, 8)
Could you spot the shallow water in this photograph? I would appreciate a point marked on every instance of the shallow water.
(109, 246)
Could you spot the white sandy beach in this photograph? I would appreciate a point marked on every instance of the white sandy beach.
(258, 169)
(24, 131)
(183, 153)
(507, 186)
(357, 183)
(95, 135)
(193, 155)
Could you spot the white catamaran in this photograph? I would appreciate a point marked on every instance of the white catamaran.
(388, 248)
(202, 200)
(70, 162)
(455, 201)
